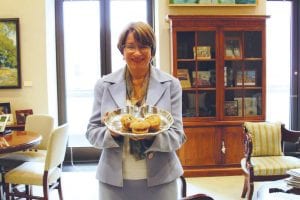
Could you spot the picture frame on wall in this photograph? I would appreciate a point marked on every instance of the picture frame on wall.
(21, 115)
(10, 65)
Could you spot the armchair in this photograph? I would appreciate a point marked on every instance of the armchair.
(264, 157)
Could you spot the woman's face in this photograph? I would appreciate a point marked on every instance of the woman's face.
(137, 56)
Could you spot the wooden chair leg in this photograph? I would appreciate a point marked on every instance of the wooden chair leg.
(245, 188)
(250, 189)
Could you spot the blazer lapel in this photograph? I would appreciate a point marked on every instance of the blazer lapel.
(156, 87)
(118, 93)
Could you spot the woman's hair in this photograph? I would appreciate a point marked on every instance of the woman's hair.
(143, 34)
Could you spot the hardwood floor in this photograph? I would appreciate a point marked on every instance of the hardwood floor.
(79, 183)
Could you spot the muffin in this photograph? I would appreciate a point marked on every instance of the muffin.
(126, 121)
(154, 121)
(140, 126)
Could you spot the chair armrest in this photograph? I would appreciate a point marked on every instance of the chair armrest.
(247, 144)
(290, 135)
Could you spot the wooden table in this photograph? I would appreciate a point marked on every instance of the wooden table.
(18, 140)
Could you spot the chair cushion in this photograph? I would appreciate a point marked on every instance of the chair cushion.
(266, 138)
(272, 165)
(31, 173)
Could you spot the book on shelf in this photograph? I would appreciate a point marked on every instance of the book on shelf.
(184, 78)
(248, 78)
(240, 104)
(201, 78)
(250, 106)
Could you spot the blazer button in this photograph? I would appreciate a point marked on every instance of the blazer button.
(150, 155)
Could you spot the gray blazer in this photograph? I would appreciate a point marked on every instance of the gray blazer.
(163, 165)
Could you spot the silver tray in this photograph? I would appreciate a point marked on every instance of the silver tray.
(113, 122)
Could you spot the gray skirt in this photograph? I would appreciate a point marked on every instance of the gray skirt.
(138, 190)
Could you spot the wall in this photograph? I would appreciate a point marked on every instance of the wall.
(162, 26)
(37, 47)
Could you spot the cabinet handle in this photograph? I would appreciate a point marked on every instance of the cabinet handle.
(223, 149)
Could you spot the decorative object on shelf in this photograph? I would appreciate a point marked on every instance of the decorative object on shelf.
(233, 48)
(231, 108)
(184, 78)
(202, 52)
(10, 70)
(201, 78)
(22, 114)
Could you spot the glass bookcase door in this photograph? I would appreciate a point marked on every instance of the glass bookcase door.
(196, 70)
(243, 74)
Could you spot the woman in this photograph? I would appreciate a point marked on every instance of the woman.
(142, 169)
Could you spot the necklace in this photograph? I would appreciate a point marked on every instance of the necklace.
(136, 91)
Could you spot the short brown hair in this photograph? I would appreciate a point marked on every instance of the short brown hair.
(143, 34)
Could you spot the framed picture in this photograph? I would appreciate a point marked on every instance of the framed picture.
(233, 48)
(21, 115)
(10, 69)
(215, 2)
(184, 78)
(202, 52)
(201, 78)
(5, 108)
(3, 122)
(231, 108)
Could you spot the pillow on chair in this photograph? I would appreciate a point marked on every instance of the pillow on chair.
(266, 138)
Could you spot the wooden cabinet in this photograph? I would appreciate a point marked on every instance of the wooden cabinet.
(220, 61)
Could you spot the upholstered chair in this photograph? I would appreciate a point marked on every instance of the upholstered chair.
(264, 157)
(46, 174)
(39, 123)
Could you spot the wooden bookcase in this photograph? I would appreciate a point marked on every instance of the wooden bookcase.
(224, 57)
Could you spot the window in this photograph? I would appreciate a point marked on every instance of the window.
(279, 61)
(82, 52)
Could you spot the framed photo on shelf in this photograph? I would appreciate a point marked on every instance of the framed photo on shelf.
(233, 48)
(22, 114)
(201, 78)
(5, 108)
(10, 70)
(184, 78)
(231, 108)
(202, 52)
